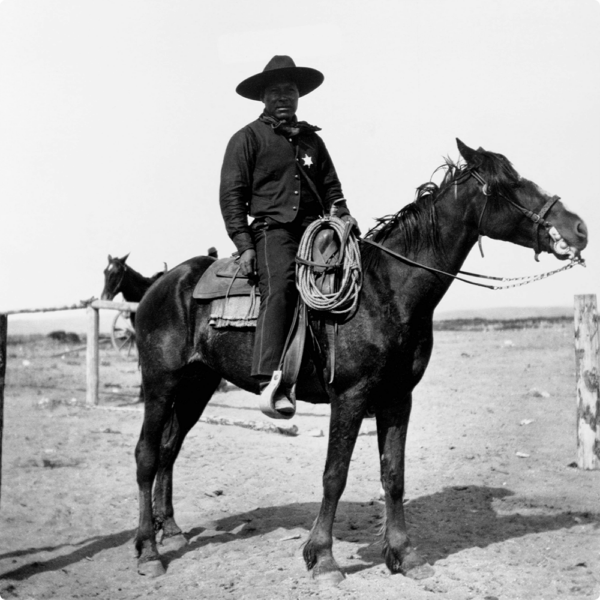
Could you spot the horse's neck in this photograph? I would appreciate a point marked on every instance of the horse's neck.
(456, 234)
(458, 217)
(134, 285)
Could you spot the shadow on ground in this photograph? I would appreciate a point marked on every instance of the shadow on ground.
(441, 524)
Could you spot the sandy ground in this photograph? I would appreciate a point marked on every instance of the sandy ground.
(493, 499)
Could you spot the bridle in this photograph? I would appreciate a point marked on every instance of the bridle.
(538, 220)
(118, 286)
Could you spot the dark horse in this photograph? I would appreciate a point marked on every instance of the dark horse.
(382, 352)
(120, 277)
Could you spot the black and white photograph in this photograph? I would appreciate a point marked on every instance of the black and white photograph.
(299, 300)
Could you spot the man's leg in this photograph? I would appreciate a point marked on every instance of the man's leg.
(276, 249)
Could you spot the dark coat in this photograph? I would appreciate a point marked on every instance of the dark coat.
(260, 177)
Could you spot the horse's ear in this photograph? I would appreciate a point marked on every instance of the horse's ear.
(467, 153)
(165, 269)
(124, 259)
(109, 258)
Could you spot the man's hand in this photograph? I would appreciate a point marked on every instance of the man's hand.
(248, 262)
(350, 219)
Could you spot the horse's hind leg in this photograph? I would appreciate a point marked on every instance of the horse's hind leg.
(191, 397)
(159, 395)
(392, 427)
(343, 431)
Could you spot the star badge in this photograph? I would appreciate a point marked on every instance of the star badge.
(307, 160)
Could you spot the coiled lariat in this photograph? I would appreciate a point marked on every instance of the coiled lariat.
(344, 265)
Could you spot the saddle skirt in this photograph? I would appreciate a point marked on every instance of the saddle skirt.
(223, 279)
(235, 299)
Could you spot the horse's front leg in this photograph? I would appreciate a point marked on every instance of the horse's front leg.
(399, 554)
(343, 431)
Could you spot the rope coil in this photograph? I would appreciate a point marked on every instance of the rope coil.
(345, 266)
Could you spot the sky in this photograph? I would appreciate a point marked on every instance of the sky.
(115, 115)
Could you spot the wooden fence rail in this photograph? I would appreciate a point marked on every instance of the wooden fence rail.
(93, 307)
(93, 355)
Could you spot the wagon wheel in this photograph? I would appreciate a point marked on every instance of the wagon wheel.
(122, 333)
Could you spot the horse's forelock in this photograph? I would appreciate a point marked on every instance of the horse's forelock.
(498, 172)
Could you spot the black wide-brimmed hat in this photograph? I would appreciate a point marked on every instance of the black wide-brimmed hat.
(279, 67)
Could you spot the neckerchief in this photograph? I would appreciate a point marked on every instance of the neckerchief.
(289, 129)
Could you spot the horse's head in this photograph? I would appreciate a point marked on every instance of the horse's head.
(517, 210)
(113, 276)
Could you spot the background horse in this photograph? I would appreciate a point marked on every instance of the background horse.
(382, 352)
(120, 277)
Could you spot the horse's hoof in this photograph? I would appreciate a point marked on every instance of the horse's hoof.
(151, 568)
(327, 573)
(329, 579)
(420, 572)
(173, 543)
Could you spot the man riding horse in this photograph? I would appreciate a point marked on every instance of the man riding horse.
(277, 170)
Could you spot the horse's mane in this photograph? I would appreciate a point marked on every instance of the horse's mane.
(416, 223)
(147, 280)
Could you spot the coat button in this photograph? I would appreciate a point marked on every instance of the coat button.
(295, 207)
(296, 192)
(297, 176)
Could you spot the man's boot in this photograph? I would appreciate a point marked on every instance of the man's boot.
(275, 402)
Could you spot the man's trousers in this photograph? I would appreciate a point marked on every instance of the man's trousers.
(276, 248)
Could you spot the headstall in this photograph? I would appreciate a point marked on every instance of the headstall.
(538, 219)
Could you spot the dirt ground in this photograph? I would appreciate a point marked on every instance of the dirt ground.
(494, 501)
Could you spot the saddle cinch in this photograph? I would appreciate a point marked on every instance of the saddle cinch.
(235, 302)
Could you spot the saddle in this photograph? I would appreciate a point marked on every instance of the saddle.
(235, 302)
(222, 279)
(234, 297)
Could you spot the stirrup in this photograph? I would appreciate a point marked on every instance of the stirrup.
(271, 395)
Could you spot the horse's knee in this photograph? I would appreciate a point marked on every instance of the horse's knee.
(334, 482)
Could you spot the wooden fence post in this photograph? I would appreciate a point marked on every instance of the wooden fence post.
(587, 364)
(3, 336)
(92, 357)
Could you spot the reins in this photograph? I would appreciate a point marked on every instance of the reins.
(345, 265)
(522, 280)
(344, 299)
(537, 219)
